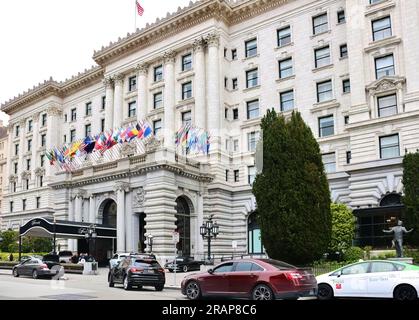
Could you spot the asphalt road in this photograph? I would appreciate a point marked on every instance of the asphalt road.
(77, 287)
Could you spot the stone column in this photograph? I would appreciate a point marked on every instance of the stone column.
(22, 139)
(129, 222)
(71, 242)
(214, 100)
(78, 214)
(142, 99)
(35, 141)
(10, 148)
(108, 82)
(53, 134)
(120, 189)
(92, 209)
(199, 85)
(169, 98)
(118, 112)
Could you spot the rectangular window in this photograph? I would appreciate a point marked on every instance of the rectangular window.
(17, 131)
(103, 102)
(73, 114)
(186, 118)
(158, 100)
(65, 138)
(158, 73)
(381, 28)
(251, 174)
(344, 51)
(375, 1)
(236, 145)
(252, 140)
(225, 82)
(235, 114)
(187, 62)
(326, 126)
(236, 175)
(29, 145)
(30, 125)
(11, 206)
(322, 57)
(225, 113)
(28, 164)
(65, 117)
(72, 135)
(43, 140)
(389, 146)
(102, 125)
(225, 52)
(234, 84)
(329, 162)
(44, 119)
(234, 54)
(341, 16)
(384, 66)
(320, 24)
(346, 85)
(285, 68)
(15, 167)
(227, 171)
(156, 127)
(23, 204)
(348, 157)
(227, 145)
(14, 186)
(38, 202)
(132, 83)
(88, 109)
(187, 90)
(41, 181)
(42, 158)
(287, 100)
(387, 106)
(132, 109)
(16, 149)
(324, 91)
(252, 78)
(346, 119)
(251, 47)
(252, 109)
(88, 130)
(284, 36)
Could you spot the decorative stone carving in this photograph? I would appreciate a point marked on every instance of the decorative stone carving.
(169, 56)
(213, 39)
(107, 82)
(35, 117)
(13, 178)
(26, 175)
(54, 110)
(22, 123)
(128, 149)
(39, 172)
(199, 44)
(153, 144)
(80, 193)
(118, 78)
(121, 186)
(386, 84)
(142, 68)
(139, 198)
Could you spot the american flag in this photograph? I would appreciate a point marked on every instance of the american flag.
(140, 9)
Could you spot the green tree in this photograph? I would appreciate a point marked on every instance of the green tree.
(292, 192)
(10, 237)
(35, 244)
(411, 194)
(343, 228)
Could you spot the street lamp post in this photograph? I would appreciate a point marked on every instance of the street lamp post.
(55, 236)
(90, 236)
(209, 230)
(150, 242)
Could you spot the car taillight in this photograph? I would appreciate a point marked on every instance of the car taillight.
(161, 270)
(293, 275)
(136, 270)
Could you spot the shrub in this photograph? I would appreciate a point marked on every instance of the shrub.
(353, 254)
(343, 228)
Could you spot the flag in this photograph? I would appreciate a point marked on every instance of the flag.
(140, 9)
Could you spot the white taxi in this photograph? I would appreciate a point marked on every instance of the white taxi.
(371, 279)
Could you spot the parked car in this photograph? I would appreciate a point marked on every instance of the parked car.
(257, 279)
(119, 256)
(86, 258)
(37, 268)
(371, 279)
(184, 264)
(137, 271)
(27, 257)
(65, 256)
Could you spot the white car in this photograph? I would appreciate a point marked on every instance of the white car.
(116, 258)
(371, 279)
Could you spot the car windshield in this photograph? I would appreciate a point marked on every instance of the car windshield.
(179, 259)
(65, 253)
(146, 264)
(52, 258)
(280, 265)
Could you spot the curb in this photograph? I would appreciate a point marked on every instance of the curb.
(172, 288)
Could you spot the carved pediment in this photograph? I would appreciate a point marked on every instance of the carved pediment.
(386, 84)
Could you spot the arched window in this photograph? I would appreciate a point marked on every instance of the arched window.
(183, 226)
(254, 241)
(391, 199)
(109, 214)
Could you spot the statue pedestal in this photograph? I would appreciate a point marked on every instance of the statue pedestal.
(405, 260)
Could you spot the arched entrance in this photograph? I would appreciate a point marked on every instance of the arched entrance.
(109, 213)
(254, 241)
(183, 226)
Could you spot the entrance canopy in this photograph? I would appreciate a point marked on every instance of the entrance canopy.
(46, 228)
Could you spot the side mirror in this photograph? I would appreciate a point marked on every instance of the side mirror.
(339, 274)
(211, 271)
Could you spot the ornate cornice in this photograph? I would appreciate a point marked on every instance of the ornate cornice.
(142, 68)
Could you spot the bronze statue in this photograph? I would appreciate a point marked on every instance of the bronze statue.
(398, 231)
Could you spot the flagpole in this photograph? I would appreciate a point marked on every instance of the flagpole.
(135, 16)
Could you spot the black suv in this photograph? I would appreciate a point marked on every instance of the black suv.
(137, 271)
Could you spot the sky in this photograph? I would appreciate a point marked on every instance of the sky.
(44, 38)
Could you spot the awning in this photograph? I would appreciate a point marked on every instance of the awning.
(46, 228)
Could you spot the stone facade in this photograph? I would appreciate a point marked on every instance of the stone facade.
(228, 101)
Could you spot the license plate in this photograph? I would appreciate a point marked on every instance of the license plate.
(149, 271)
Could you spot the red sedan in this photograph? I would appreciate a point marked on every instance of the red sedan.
(257, 279)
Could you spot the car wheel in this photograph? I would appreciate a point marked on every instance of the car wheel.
(111, 283)
(127, 285)
(185, 268)
(15, 273)
(159, 287)
(193, 291)
(325, 292)
(262, 292)
(35, 274)
(405, 292)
